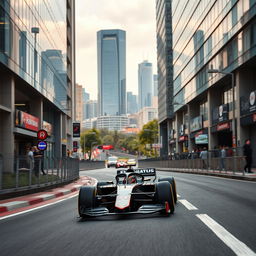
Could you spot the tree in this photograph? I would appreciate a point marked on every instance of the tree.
(108, 140)
(88, 139)
(149, 135)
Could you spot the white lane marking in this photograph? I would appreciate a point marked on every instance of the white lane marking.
(188, 205)
(238, 247)
(36, 208)
(15, 204)
(178, 195)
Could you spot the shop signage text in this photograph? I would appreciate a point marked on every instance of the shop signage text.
(27, 121)
(223, 126)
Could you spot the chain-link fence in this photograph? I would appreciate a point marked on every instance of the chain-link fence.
(22, 172)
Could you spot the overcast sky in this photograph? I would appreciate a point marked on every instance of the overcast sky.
(136, 17)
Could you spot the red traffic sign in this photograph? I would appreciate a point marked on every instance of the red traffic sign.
(42, 134)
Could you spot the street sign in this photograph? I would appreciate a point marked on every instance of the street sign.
(76, 130)
(42, 135)
(42, 145)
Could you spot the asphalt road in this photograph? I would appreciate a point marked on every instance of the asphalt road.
(223, 223)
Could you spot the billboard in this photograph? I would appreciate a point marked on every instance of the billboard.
(26, 121)
(76, 130)
(201, 139)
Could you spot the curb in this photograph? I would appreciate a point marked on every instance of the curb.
(13, 204)
(235, 177)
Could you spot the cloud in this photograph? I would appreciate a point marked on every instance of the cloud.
(136, 17)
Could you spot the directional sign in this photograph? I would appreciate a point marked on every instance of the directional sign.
(42, 134)
(42, 145)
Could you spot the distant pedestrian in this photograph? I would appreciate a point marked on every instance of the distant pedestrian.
(39, 161)
(248, 156)
(204, 157)
(222, 158)
(30, 156)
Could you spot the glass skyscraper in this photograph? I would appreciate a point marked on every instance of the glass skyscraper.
(145, 84)
(111, 45)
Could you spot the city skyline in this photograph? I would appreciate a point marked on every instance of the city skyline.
(114, 14)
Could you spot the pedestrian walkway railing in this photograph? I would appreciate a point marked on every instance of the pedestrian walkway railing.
(234, 164)
(24, 173)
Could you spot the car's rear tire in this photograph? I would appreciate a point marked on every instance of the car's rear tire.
(164, 194)
(173, 183)
(86, 199)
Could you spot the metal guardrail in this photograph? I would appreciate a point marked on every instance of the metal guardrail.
(233, 164)
(28, 173)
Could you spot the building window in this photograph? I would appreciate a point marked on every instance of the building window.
(204, 110)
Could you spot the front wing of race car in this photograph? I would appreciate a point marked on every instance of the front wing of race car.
(144, 209)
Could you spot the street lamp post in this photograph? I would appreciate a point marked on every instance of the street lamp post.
(213, 71)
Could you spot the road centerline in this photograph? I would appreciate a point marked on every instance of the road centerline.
(188, 205)
(238, 247)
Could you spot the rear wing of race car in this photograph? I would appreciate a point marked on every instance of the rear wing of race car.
(142, 171)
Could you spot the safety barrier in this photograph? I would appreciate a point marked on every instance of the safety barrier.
(24, 173)
(227, 164)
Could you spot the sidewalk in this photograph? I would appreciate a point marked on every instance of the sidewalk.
(223, 174)
(32, 199)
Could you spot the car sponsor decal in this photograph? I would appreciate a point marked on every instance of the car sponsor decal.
(146, 172)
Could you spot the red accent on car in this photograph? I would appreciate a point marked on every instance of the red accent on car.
(167, 207)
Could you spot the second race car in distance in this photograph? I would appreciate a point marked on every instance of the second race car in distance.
(133, 191)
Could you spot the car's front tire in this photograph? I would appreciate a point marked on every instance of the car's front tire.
(86, 199)
(164, 194)
(173, 183)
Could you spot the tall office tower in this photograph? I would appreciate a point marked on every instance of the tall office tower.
(155, 85)
(214, 63)
(79, 103)
(111, 45)
(145, 84)
(86, 97)
(132, 105)
(37, 73)
(164, 69)
(91, 109)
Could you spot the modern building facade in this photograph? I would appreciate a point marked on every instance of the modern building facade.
(37, 69)
(112, 123)
(111, 50)
(132, 105)
(164, 70)
(91, 109)
(220, 37)
(79, 103)
(145, 84)
(86, 97)
(146, 115)
(155, 85)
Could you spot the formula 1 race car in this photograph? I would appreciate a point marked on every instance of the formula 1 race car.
(133, 191)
